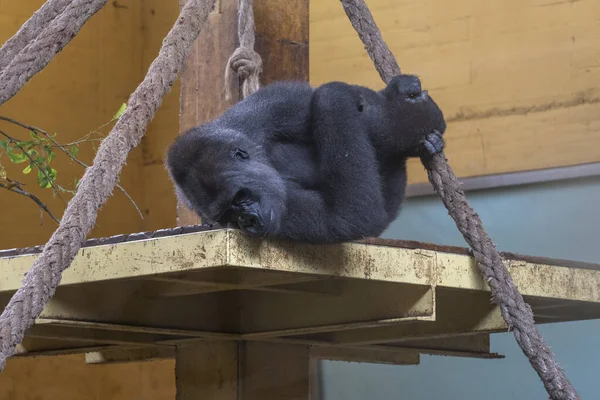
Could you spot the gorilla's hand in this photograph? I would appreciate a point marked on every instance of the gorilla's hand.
(433, 143)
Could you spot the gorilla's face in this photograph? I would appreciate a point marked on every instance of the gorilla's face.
(409, 106)
(228, 184)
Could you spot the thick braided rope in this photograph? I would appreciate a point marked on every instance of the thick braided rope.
(38, 53)
(99, 180)
(517, 314)
(245, 61)
(30, 30)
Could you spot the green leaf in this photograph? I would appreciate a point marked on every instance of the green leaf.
(74, 150)
(51, 156)
(33, 135)
(121, 111)
(16, 158)
(76, 180)
(2, 172)
(43, 181)
(27, 169)
(3, 144)
(32, 153)
(51, 172)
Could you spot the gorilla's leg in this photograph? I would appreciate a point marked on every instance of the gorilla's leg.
(349, 204)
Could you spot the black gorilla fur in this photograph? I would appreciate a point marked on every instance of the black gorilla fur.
(318, 165)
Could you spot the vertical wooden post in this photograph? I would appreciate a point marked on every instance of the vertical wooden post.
(242, 371)
(207, 370)
(281, 41)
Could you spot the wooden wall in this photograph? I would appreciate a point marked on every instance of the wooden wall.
(519, 80)
(80, 90)
(69, 378)
(77, 92)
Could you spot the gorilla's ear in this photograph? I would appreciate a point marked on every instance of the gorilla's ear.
(240, 154)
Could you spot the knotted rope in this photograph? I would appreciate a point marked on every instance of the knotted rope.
(97, 183)
(245, 61)
(30, 30)
(515, 311)
(38, 52)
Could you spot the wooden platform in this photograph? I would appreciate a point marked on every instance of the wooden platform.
(372, 302)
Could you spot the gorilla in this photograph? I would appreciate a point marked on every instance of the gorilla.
(315, 165)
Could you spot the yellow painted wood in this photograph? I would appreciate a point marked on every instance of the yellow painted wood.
(210, 250)
(516, 79)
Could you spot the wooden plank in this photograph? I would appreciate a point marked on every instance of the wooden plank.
(374, 356)
(129, 355)
(457, 313)
(373, 305)
(211, 250)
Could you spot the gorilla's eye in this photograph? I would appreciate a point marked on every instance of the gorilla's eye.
(241, 197)
(413, 95)
(240, 154)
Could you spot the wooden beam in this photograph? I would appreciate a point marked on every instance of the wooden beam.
(374, 356)
(458, 313)
(119, 356)
(281, 41)
(361, 306)
(228, 370)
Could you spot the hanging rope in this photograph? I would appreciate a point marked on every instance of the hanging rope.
(515, 311)
(245, 61)
(30, 30)
(51, 40)
(99, 180)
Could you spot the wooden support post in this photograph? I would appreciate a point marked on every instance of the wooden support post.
(243, 371)
(281, 41)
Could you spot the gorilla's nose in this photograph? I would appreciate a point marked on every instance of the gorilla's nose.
(247, 220)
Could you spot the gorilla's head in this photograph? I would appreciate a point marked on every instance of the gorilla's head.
(407, 105)
(225, 177)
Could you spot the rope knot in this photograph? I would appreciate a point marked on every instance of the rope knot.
(247, 64)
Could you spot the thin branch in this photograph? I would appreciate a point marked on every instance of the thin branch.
(16, 143)
(18, 190)
(68, 153)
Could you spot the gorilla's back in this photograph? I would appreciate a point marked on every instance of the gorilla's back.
(281, 109)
